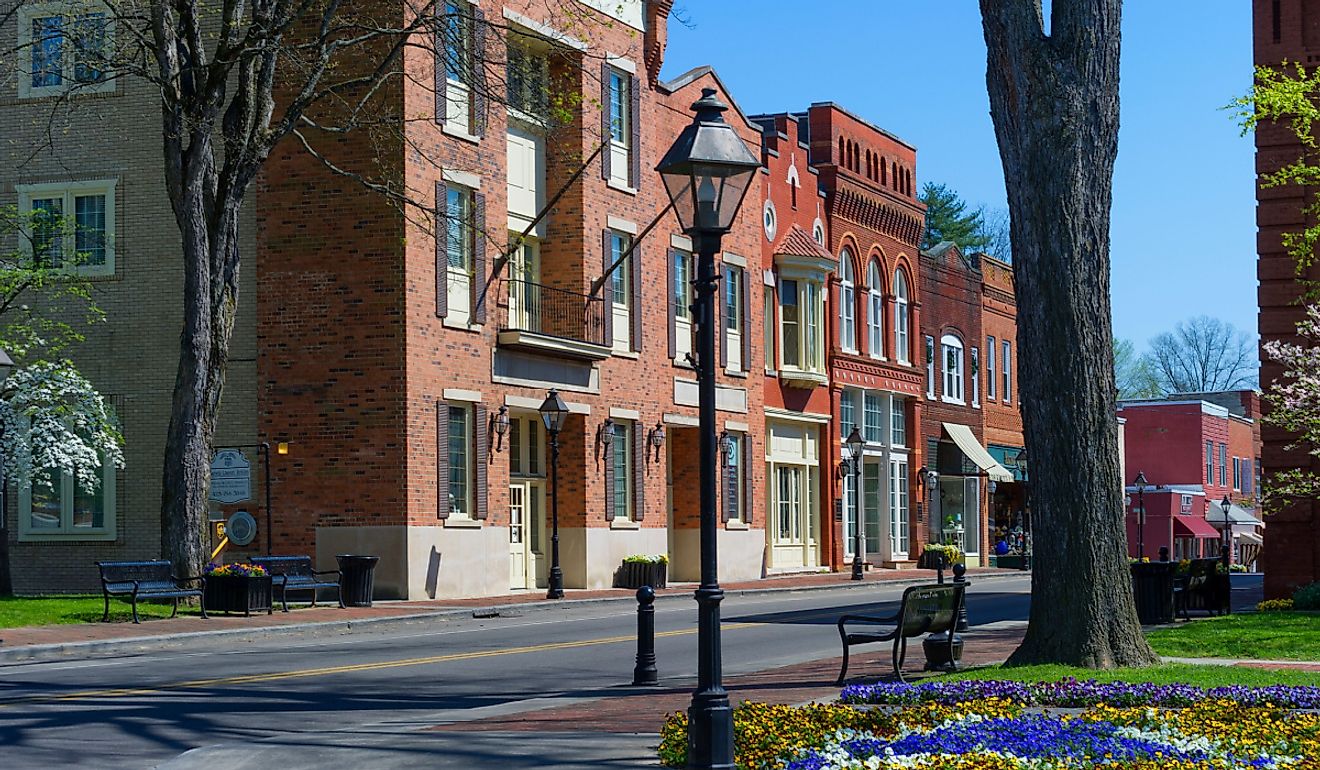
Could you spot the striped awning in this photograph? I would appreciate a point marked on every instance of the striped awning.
(966, 441)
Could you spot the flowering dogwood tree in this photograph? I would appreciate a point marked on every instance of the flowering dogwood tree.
(1294, 403)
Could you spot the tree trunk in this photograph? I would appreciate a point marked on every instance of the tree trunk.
(1054, 101)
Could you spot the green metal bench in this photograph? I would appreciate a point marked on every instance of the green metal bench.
(925, 609)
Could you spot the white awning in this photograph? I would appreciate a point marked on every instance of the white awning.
(966, 441)
(1250, 538)
(1237, 516)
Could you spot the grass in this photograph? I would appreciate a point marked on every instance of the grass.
(1255, 635)
(16, 611)
(1168, 673)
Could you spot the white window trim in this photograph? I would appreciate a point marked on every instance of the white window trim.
(902, 349)
(847, 303)
(69, 190)
(32, 11)
(991, 375)
(469, 416)
(624, 437)
(67, 532)
(621, 173)
(818, 366)
(1006, 364)
(974, 372)
(947, 342)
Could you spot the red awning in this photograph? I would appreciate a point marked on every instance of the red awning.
(1193, 526)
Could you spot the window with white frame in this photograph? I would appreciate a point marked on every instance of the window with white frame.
(64, 46)
(1008, 371)
(898, 505)
(621, 290)
(873, 417)
(990, 384)
(952, 356)
(620, 109)
(733, 317)
(682, 287)
(847, 412)
(898, 422)
(1209, 462)
(800, 329)
(930, 366)
(1237, 474)
(528, 79)
(621, 452)
(1223, 465)
(976, 377)
(59, 508)
(901, 351)
(460, 247)
(456, 43)
(460, 462)
(847, 302)
(768, 325)
(72, 225)
(875, 312)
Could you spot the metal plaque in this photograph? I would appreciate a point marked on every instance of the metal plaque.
(231, 477)
(241, 528)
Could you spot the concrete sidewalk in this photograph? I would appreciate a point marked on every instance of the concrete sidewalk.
(58, 641)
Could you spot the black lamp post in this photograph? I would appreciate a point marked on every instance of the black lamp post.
(1141, 484)
(1226, 536)
(553, 413)
(706, 173)
(1021, 462)
(854, 442)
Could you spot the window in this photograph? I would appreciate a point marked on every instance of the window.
(457, 43)
(847, 412)
(620, 290)
(1237, 474)
(83, 210)
(734, 494)
(460, 246)
(768, 324)
(683, 285)
(898, 505)
(898, 422)
(733, 317)
(1246, 476)
(800, 325)
(901, 319)
(460, 462)
(930, 367)
(621, 451)
(990, 383)
(67, 46)
(528, 79)
(1008, 372)
(1209, 462)
(1223, 465)
(976, 377)
(619, 88)
(875, 313)
(526, 447)
(873, 417)
(847, 303)
(952, 355)
(59, 508)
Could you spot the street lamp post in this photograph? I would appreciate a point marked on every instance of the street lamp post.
(854, 442)
(706, 173)
(1021, 462)
(1226, 535)
(553, 413)
(1141, 484)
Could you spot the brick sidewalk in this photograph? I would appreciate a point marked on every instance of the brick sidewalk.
(643, 710)
(191, 623)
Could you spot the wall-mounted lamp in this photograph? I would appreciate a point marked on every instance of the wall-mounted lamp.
(657, 439)
(500, 421)
(726, 446)
(605, 433)
(282, 448)
(843, 469)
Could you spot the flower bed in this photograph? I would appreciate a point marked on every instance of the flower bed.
(1080, 694)
(998, 734)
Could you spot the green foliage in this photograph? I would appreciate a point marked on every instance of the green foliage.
(16, 612)
(948, 219)
(1165, 673)
(1132, 373)
(37, 298)
(1252, 635)
(1308, 598)
(641, 558)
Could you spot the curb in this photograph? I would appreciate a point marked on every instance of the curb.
(63, 650)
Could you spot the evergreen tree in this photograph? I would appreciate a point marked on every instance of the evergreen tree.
(948, 219)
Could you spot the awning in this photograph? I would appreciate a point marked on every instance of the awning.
(1250, 538)
(1237, 515)
(1193, 526)
(962, 436)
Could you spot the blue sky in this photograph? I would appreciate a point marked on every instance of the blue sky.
(1183, 228)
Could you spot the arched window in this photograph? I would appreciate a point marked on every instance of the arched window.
(884, 175)
(901, 318)
(952, 357)
(847, 302)
(875, 312)
(843, 152)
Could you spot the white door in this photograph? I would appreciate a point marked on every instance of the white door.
(898, 508)
(518, 534)
(525, 286)
(527, 502)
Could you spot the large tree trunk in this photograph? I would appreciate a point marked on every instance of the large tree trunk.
(1054, 101)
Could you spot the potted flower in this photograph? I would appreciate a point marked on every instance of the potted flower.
(642, 570)
(936, 554)
(236, 587)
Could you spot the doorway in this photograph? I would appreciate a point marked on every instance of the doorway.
(528, 568)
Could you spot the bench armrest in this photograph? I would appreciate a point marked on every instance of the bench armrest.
(187, 578)
(326, 572)
(888, 621)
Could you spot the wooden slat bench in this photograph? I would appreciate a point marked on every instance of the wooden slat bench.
(295, 573)
(145, 580)
(925, 609)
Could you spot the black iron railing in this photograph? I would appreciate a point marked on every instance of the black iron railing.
(532, 307)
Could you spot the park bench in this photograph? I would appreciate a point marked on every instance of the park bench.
(144, 580)
(295, 573)
(1202, 588)
(924, 609)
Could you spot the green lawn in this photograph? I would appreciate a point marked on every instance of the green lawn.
(1256, 635)
(1168, 673)
(51, 610)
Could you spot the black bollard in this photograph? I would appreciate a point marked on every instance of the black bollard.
(644, 673)
(939, 569)
(1164, 553)
(960, 578)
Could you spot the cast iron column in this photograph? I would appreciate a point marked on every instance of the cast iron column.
(265, 461)
(710, 717)
(556, 574)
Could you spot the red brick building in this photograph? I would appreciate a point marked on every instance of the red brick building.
(1009, 519)
(1283, 30)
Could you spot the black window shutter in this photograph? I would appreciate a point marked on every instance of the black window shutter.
(671, 291)
(605, 121)
(635, 291)
(442, 459)
(749, 476)
(480, 284)
(441, 250)
(746, 322)
(481, 434)
(477, 81)
(639, 471)
(717, 316)
(608, 292)
(441, 68)
(635, 148)
(609, 479)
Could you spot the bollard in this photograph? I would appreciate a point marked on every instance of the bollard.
(960, 577)
(939, 570)
(1164, 553)
(644, 673)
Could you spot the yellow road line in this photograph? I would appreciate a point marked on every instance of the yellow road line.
(328, 670)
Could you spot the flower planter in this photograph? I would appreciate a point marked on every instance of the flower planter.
(633, 574)
(237, 593)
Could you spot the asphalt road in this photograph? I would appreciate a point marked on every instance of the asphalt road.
(136, 711)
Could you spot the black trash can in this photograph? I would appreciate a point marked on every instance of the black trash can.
(356, 574)
(1152, 587)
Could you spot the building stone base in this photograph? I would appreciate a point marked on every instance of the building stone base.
(741, 555)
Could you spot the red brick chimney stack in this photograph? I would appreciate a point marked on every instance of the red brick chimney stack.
(657, 36)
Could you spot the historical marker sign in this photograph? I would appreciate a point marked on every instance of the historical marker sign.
(231, 477)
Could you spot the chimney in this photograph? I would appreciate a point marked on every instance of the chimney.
(657, 36)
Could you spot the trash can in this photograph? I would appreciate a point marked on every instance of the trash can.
(1152, 587)
(356, 574)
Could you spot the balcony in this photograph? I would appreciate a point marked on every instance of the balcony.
(545, 319)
